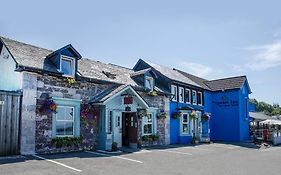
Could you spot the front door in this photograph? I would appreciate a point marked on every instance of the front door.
(117, 128)
(129, 128)
(197, 128)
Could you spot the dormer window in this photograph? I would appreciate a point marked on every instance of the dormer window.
(149, 83)
(67, 66)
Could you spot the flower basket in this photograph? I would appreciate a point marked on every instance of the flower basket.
(193, 115)
(206, 117)
(70, 81)
(176, 115)
(162, 114)
(142, 113)
(152, 93)
(151, 138)
(59, 142)
(46, 106)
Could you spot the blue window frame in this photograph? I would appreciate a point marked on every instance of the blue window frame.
(66, 122)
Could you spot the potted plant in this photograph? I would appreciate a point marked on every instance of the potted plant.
(114, 146)
(193, 115)
(205, 117)
(176, 115)
(152, 93)
(162, 114)
(195, 140)
(46, 106)
(70, 80)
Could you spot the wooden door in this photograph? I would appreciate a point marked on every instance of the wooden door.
(129, 128)
(10, 104)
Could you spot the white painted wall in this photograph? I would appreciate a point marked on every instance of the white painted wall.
(10, 80)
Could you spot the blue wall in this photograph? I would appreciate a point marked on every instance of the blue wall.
(230, 115)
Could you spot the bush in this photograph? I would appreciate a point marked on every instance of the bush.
(114, 146)
(66, 141)
(150, 138)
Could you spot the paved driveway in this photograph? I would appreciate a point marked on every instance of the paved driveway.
(216, 158)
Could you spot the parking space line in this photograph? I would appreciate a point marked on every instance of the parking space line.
(177, 152)
(201, 149)
(58, 163)
(142, 151)
(119, 157)
(223, 146)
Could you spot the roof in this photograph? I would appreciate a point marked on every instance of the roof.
(226, 83)
(259, 116)
(104, 95)
(26, 54)
(172, 74)
(140, 72)
(196, 79)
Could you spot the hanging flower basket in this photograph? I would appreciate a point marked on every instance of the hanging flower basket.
(206, 117)
(162, 114)
(193, 115)
(176, 115)
(152, 93)
(46, 106)
(142, 113)
(70, 81)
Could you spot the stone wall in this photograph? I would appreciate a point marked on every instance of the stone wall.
(162, 103)
(59, 87)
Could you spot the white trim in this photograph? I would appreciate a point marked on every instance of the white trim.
(151, 79)
(73, 121)
(181, 97)
(201, 104)
(63, 57)
(66, 99)
(150, 123)
(189, 97)
(119, 157)
(175, 97)
(124, 89)
(194, 103)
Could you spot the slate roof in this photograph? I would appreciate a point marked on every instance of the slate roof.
(140, 72)
(198, 80)
(226, 83)
(107, 93)
(172, 74)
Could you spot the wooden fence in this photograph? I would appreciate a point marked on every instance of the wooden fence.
(10, 107)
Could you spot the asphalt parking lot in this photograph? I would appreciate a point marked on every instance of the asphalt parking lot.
(205, 159)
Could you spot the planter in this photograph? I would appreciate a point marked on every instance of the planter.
(142, 113)
(176, 115)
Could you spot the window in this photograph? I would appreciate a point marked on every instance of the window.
(110, 122)
(200, 98)
(67, 66)
(194, 97)
(174, 92)
(185, 123)
(65, 121)
(181, 94)
(149, 83)
(187, 96)
(118, 120)
(148, 124)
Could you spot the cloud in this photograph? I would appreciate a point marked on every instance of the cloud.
(263, 57)
(196, 68)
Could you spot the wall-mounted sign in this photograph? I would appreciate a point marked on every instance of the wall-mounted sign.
(2, 102)
(226, 102)
(128, 100)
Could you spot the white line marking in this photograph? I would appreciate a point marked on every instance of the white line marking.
(142, 151)
(177, 152)
(119, 157)
(223, 146)
(58, 163)
(270, 149)
(202, 149)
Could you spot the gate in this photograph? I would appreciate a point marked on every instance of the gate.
(10, 107)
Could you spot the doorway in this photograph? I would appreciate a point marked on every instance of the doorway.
(129, 128)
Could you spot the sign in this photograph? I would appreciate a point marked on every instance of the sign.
(128, 100)
(226, 102)
(2, 102)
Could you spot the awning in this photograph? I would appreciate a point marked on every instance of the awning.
(259, 116)
(271, 122)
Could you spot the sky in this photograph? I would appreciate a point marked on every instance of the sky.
(212, 39)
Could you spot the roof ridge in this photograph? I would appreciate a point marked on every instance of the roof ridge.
(190, 74)
(32, 45)
(120, 66)
(227, 78)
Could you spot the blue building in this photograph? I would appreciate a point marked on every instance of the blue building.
(217, 110)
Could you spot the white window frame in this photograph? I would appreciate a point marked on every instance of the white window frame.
(189, 97)
(175, 93)
(181, 97)
(152, 124)
(201, 98)
(63, 57)
(151, 79)
(194, 102)
(182, 123)
(73, 125)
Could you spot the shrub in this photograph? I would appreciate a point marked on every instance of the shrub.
(66, 141)
(114, 146)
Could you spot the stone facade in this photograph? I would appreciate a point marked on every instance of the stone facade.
(59, 87)
(160, 102)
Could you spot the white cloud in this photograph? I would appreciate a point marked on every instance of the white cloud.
(196, 68)
(265, 56)
(262, 57)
